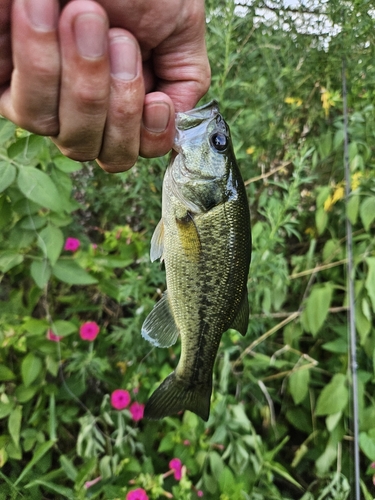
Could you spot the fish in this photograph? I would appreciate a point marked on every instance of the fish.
(204, 239)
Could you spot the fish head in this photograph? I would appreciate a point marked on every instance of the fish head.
(201, 168)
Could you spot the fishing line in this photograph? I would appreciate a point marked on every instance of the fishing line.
(351, 294)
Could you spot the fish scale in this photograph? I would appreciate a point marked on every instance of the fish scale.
(204, 240)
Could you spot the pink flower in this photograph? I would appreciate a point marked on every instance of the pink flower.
(200, 493)
(88, 484)
(138, 494)
(372, 466)
(136, 410)
(186, 442)
(176, 465)
(120, 399)
(89, 331)
(72, 244)
(52, 336)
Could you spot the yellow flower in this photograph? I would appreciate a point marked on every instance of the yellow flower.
(250, 150)
(310, 231)
(293, 100)
(328, 100)
(122, 366)
(328, 204)
(356, 180)
(338, 194)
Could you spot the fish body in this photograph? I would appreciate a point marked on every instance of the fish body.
(205, 241)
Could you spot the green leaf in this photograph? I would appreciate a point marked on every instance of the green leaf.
(70, 272)
(321, 220)
(51, 241)
(279, 469)
(216, 464)
(362, 324)
(333, 420)
(370, 280)
(7, 175)
(29, 147)
(167, 443)
(6, 212)
(68, 467)
(317, 306)
(64, 328)
(39, 453)
(352, 208)
(85, 471)
(334, 396)
(24, 394)
(367, 445)
(7, 130)
(31, 367)
(9, 259)
(226, 480)
(38, 187)
(35, 326)
(339, 346)
(32, 222)
(6, 374)
(367, 212)
(66, 164)
(299, 384)
(14, 424)
(62, 491)
(40, 272)
(5, 409)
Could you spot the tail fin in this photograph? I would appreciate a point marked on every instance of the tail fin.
(174, 395)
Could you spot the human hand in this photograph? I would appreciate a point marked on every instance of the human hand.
(103, 80)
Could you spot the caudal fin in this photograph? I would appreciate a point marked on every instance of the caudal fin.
(173, 395)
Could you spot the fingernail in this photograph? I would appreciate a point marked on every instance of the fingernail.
(90, 31)
(43, 14)
(124, 58)
(156, 116)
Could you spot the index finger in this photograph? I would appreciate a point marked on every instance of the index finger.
(181, 62)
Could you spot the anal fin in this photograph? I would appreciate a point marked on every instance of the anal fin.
(160, 328)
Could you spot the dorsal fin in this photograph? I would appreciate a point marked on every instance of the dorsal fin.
(241, 320)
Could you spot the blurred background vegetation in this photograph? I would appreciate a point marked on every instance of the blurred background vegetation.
(281, 421)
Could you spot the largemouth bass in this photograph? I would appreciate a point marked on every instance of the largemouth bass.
(204, 239)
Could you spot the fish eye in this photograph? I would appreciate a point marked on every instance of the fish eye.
(219, 141)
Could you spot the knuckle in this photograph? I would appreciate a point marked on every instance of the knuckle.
(116, 165)
(76, 154)
(89, 93)
(45, 125)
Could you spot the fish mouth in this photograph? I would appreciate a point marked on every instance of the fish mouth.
(194, 116)
(197, 119)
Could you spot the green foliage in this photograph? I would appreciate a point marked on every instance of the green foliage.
(280, 424)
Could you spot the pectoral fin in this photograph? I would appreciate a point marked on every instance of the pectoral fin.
(159, 328)
(241, 321)
(157, 242)
(189, 236)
